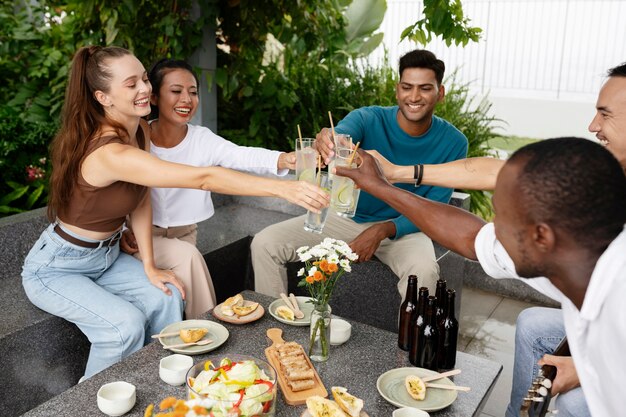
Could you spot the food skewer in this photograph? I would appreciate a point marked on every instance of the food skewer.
(441, 375)
(157, 336)
(198, 343)
(448, 387)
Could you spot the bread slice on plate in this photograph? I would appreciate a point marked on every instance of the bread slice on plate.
(321, 407)
(350, 404)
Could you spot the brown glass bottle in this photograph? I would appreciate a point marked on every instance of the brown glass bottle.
(448, 330)
(418, 325)
(440, 293)
(408, 311)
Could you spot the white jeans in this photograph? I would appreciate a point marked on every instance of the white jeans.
(276, 245)
(104, 292)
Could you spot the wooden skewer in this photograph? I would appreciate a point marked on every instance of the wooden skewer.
(441, 375)
(182, 345)
(448, 387)
(156, 336)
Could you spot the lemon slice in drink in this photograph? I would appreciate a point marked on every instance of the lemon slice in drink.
(307, 175)
(344, 196)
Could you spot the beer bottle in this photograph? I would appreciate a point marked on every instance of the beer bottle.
(448, 335)
(440, 293)
(417, 326)
(428, 339)
(408, 310)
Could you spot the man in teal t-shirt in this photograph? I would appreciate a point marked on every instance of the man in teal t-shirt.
(406, 134)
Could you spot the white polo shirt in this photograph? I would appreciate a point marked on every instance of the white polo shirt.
(597, 333)
(201, 147)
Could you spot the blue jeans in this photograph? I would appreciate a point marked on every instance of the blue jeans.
(538, 331)
(104, 292)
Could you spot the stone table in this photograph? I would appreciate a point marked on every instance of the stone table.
(356, 365)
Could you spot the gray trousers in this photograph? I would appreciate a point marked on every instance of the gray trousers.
(276, 245)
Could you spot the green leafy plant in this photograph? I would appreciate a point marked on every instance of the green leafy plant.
(443, 18)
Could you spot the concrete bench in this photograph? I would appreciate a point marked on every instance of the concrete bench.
(44, 355)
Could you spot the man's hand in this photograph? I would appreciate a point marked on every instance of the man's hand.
(366, 243)
(368, 175)
(324, 144)
(287, 161)
(128, 243)
(566, 376)
(388, 168)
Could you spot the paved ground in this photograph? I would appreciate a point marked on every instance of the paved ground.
(487, 329)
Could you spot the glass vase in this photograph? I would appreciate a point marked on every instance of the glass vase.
(319, 344)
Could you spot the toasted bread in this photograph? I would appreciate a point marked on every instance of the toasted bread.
(244, 310)
(321, 407)
(415, 387)
(350, 404)
(192, 335)
(236, 300)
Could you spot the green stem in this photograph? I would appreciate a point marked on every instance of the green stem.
(312, 342)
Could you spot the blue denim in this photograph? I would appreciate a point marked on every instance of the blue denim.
(104, 292)
(538, 331)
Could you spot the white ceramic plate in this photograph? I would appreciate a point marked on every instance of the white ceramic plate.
(391, 387)
(306, 308)
(217, 333)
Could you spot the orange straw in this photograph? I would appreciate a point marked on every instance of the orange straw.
(353, 154)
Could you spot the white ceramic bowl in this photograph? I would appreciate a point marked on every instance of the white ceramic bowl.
(340, 331)
(116, 398)
(409, 412)
(173, 368)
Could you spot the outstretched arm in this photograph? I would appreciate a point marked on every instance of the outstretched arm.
(452, 227)
(468, 174)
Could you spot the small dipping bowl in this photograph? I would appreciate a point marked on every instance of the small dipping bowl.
(340, 331)
(409, 412)
(173, 368)
(116, 398)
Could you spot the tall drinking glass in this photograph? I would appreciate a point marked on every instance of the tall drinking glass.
(343, 144)
(314, 222)
(344, 196)
(306, 160)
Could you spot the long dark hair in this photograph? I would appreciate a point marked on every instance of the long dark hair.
(82, 118)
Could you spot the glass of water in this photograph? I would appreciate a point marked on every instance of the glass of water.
(306, 160)
(344, 196)
(314, 222)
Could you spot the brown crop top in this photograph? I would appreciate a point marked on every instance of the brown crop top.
(103, 209)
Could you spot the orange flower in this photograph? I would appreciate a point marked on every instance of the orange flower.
(167, 403)
(332, 267)
(309, 279)
(317, 276)
(324, 265)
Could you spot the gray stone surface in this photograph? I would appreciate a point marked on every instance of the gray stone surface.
(475, 277)
(356, 365)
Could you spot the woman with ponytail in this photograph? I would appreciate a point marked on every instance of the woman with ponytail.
(100, 175)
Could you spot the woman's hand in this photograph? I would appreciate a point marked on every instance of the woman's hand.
(160, 277)
(287, 161)
(304, 194)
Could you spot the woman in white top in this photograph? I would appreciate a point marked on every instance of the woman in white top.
(177, 210)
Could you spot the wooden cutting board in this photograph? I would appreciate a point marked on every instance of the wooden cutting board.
(291, 397)
(255, 315)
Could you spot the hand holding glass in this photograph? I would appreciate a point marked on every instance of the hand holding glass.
(314, 222)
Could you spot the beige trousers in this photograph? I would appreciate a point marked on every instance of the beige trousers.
(276, 245)
(175, 248)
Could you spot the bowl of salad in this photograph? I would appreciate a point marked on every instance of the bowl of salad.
(232, 385)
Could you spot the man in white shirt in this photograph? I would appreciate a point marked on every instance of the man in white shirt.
(560, 217)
